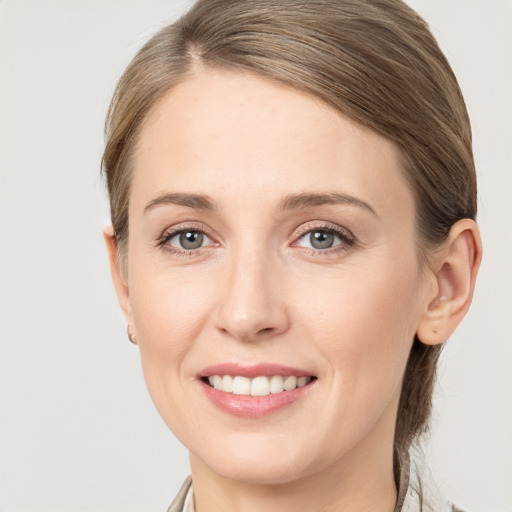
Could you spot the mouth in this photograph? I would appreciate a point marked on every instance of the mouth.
(258, 386)
(255, 391)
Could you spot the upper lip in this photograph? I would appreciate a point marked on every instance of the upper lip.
(253, 370)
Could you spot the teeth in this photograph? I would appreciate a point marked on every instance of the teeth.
(290, 383)
(227, 383)
(241, 386)
(217, 382)
(302, 381)
(259, 386)
(276, 384)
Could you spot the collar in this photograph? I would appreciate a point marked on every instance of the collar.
(417, 492)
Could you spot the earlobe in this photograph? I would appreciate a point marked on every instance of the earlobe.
(455, 267)
(120, 284)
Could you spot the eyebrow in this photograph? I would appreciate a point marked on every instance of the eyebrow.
(196, 201)
(290, 202)
(308, 200)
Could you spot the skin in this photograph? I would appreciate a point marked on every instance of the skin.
(257, 292)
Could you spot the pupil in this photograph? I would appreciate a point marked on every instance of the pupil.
(191, 239)
(321, 239)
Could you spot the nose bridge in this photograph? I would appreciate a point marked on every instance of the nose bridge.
(251, 305)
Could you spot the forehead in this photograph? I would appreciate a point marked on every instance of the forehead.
(239, 136)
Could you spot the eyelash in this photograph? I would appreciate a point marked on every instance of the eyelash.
(347, 240)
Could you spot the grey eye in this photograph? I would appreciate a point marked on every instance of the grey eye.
(191, 239)
(186, 240)
(326, 238)
(321, 239)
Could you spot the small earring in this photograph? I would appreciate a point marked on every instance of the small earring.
(131, 336)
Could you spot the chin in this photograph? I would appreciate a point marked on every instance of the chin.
(257, 461)
(258, 473)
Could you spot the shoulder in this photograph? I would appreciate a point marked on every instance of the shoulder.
(179, 502)
(421, 492)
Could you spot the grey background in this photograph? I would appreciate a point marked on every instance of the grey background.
(78, 431)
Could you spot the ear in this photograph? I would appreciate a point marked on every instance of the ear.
(120, 283)
(454, 268)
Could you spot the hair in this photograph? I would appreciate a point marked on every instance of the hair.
(374, 61)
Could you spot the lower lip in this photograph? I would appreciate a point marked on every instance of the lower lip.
(254, 406)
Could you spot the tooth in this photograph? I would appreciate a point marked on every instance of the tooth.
(260, 386)
(227, 383)
(302, 381)
(217, 382)
(276, 384)
(241, 386)
(290, 383)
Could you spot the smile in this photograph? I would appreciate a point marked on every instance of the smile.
(258, 386)
(256, 390)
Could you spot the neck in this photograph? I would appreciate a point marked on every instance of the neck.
(360, 481)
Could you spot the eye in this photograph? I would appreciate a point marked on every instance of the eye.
(325, 238)
(321, 239)
(189, 239)
(184, 240)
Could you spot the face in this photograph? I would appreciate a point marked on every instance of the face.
(273, 278)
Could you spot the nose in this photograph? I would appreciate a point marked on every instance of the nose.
(252, 303)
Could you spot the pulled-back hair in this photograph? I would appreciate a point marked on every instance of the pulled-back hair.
(375, 61)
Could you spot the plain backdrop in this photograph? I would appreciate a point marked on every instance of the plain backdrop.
(78, 430)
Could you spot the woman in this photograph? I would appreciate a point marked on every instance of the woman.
(293, 198)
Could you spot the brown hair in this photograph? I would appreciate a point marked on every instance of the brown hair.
(375, 61)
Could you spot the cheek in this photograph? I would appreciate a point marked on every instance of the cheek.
(364, 325)
(169, 312)
(167, 303)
